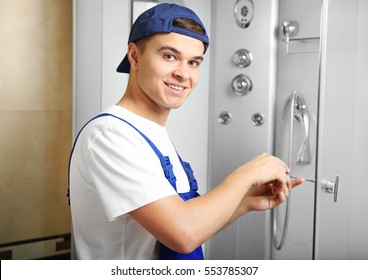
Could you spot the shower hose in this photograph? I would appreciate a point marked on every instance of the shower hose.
(278, 245)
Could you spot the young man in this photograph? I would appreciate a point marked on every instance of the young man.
(132, 196)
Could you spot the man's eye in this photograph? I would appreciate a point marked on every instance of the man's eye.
(169, 57)
(194, 63)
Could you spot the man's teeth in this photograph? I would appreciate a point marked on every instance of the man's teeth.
(176, 87)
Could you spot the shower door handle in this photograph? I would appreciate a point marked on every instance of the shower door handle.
(331, 187)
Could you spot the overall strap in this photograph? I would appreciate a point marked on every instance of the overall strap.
(190, 174)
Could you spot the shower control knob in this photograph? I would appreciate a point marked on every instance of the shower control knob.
(242, 58)
(242, 84)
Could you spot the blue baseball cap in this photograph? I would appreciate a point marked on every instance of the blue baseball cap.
(159, 19)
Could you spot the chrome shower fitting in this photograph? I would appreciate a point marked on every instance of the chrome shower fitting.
(289, 29)
(242, 58)
(301, 114)
(242, 85)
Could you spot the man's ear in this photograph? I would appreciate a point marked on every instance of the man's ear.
(133, 54)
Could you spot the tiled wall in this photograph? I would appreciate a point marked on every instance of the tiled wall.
(35, 118)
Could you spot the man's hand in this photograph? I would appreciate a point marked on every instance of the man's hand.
(269, 195)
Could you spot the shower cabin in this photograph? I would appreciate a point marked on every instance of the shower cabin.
(281, 76)
(296, 97)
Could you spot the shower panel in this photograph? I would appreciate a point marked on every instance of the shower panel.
(243, 60)
(250, 93)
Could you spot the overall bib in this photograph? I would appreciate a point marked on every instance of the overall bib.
(165, 252)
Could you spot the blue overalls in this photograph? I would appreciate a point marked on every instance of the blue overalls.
(165, 252)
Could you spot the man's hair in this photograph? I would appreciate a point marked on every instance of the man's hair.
(188, 24)
(179, 22)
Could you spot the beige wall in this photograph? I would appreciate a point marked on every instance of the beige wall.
(35, 117)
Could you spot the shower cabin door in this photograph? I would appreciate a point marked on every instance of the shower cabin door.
(297, 92)
(325, 217)
(335, 226)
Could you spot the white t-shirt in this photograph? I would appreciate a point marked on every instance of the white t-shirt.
(114, 171)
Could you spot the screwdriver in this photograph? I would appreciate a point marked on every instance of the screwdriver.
(307, 180)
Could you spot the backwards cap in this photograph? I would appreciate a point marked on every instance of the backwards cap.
(159, 19)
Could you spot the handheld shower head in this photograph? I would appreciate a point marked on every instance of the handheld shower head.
(304, 154)
(301, 114)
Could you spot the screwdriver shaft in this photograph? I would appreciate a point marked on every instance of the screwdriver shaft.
(308, 180)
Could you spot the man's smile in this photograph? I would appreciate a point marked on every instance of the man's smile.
(175, 87)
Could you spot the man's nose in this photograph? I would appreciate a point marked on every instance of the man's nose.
(182, 71)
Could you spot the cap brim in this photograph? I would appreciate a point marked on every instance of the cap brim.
(124, 66)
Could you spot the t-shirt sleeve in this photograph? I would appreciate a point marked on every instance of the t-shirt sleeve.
(125, 171)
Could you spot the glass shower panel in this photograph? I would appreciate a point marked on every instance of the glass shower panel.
(340, 131)
(296, 124)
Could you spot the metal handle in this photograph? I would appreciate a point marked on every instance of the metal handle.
(331, 187)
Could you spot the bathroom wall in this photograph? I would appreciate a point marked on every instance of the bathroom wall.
(35, 124)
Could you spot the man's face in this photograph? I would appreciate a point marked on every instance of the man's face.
(168, 69)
